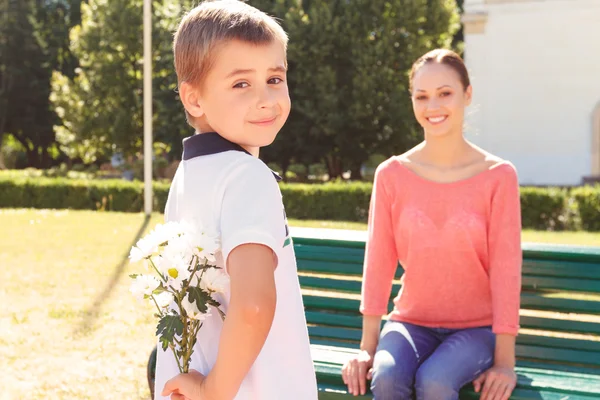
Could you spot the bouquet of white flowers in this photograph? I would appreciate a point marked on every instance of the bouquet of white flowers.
(184, 259)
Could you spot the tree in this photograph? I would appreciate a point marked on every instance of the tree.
(348, 76)
(33, 42)
(349, 63)
(102, 105)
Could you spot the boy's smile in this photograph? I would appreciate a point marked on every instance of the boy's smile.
(244, 96)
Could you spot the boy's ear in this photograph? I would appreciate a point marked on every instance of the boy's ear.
(190, 97)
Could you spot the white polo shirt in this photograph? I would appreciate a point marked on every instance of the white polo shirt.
(236, 196)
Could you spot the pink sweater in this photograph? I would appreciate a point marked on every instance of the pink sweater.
(459, 244)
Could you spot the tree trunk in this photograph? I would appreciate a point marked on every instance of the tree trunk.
(2, 164)
(284, 169)
(45, 159)
(334, 166)
(32, 158)
(356, 173)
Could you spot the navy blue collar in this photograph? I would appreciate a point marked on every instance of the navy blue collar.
(211, 143)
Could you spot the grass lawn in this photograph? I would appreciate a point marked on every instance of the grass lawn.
(69, 329)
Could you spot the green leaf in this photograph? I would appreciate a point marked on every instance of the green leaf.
(159, 290)
(199, 296)
(134, 276)
(168, 327)
(165, 343)
(214, 303)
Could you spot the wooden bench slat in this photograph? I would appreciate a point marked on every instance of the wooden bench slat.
(529, 301)
(337, 285)
(337, 320)
(559, 252)
(589, 346)
(538, 301)
(335, 333)
(565, 284)
(328, 253)
(330, 267)
(578, 357)
(330, 284)
(563, 269)
(558, 325)
(320, 317)
(330, 303)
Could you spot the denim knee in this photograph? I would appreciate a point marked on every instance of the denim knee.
(390, 383)
(432, 385)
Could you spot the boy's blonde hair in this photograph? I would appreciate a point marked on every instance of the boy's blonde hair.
(213, 22)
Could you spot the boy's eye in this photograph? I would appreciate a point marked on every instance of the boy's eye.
(241, 85)
(275, 81)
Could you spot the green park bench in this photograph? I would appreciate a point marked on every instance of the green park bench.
(558, 348)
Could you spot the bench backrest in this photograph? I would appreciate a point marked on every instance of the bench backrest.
(560, 301)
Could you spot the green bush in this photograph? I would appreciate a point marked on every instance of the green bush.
(587, 200)
(342, 201)
(107, 195)
(544, 208)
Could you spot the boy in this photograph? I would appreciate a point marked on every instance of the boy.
(230, 60)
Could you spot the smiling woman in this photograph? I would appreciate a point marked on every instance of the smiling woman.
(457, 233)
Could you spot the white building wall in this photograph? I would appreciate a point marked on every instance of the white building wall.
(535, 69)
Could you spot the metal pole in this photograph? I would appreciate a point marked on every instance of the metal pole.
(148, 107)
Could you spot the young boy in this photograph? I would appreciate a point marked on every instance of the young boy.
(230, 60)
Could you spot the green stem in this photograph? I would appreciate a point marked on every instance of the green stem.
(154, 300)
(157, 271)
(172, 347)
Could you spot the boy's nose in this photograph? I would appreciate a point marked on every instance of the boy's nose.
(266, 98)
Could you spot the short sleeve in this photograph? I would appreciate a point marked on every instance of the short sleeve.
(252, 209)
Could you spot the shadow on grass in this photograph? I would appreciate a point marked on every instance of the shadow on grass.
(91, 314)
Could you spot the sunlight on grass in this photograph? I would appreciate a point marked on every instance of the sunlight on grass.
(71, 330)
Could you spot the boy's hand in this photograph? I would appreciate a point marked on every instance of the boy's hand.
(185, 386)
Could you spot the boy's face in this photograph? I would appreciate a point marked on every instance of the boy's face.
(244, 97)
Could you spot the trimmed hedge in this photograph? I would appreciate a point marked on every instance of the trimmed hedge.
(329, 201)
(545, 209)
(587, 200)
(107, 195)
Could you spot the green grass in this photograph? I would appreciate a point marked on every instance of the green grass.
(69, 328)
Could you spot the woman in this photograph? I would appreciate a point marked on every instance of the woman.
(450, 213)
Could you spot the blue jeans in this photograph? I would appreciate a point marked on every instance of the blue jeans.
(429, 363)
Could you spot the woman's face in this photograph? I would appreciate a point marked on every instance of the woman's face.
(439, 99)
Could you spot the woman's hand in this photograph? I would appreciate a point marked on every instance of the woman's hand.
(498, 383)
(185, 386)
(356, 371)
